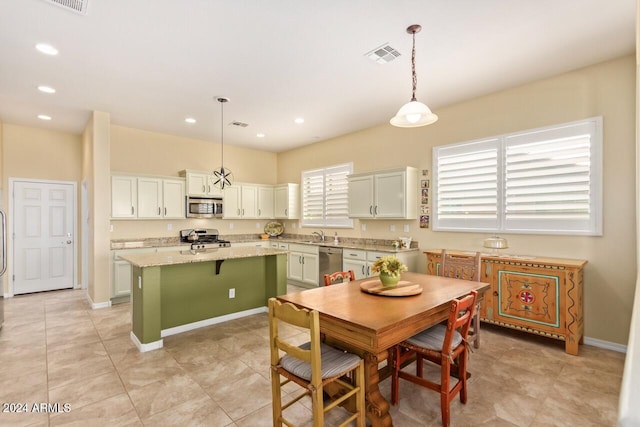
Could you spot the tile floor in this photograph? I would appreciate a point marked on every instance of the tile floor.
(55, 349)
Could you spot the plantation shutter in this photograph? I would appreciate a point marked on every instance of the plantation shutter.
(325, 199)
(467, 186)
(548, 179)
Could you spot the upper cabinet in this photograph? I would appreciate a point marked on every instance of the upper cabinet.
(265, 201)
(242, 201)
(147, 197)
(200, 184)
(286, 201)
(391, 194)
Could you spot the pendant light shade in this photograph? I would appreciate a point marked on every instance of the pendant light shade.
(222, 177)
(413, 113)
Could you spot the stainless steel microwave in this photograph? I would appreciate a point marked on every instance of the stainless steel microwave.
(204, 207)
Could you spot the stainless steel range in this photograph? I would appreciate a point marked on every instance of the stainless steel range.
(203, 238)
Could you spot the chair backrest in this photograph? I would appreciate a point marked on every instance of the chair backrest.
(465, 267)
(302, 318)
(460, 316)
(339, 276)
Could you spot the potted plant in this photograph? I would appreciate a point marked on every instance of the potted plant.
(389, 268)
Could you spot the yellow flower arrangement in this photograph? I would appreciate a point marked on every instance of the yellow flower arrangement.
(389, 265)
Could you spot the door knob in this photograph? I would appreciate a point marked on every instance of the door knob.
(68, 242)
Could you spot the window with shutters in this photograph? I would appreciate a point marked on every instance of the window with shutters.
(325, 200)
(544, 181)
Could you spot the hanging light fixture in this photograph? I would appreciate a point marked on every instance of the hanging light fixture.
(222, 176)
(413, 113)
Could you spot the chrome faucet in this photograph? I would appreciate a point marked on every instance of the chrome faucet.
(320, 234)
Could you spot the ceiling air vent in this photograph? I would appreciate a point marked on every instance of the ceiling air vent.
(240, 124)
(383, 54)
(77, 6)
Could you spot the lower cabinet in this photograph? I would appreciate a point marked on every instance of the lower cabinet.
(121, 270)
(543, 296)
(303, 265)
(361, 261)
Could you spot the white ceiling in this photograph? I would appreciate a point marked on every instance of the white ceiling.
(152, 63)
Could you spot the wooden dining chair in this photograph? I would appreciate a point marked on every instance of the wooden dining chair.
(312, 366)
(465, 267)
(443, 345)
(339, 277)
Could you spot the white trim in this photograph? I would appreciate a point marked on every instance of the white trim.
(211, 321)
(96, 305)
(608, 345)
(145, 347)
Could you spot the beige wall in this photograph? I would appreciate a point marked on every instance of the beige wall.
(143, 152)
(606, 89)
(38, 154)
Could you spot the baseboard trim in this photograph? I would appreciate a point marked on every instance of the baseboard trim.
(608, 345)
(155, 345)
(96, 305)
(211, 321)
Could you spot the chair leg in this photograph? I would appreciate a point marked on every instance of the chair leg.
(276, 399)
(462, 368)
(419, 366)
(444, 392)
(317, 407)
(360, 403)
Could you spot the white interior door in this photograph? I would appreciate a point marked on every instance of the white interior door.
(43, 236)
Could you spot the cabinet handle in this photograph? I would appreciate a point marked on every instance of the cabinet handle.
(238, 212)
(159, 212)
(132, 211)
(165, 211)
(371, 210)
(363, 273)
(208, 189)
(242, 211)
(375, 211)
(286, 211)
(259, 212)
(204, 189)
(302, 260)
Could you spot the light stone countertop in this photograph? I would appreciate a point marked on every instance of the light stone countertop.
(189, 256)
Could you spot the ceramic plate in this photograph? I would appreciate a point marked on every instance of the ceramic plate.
(273, 229)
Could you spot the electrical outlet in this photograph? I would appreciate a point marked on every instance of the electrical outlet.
(169, 227)
(257, 225)
(392, 227)
(230, 226)
(111, 227)
(232, 293)
(363, 227)
(406, 228)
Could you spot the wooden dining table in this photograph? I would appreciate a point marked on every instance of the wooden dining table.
(369, 324)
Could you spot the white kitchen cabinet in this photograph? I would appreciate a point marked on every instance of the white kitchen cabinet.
(124, 196)
(200, 183)
(242, 201)
(361, 261)
(389, 194)
(265, 201)
(355, 260)
(287, 201)
(173, 198)
(147, 197)
(121, 271)
(303, 264)
(262, 244)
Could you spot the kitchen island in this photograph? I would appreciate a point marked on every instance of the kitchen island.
(178, 291)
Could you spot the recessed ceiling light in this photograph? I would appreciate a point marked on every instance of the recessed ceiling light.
(190, 120)
(260, 135)
(46, 89)
(44, 117)
(47, 49)
(299, 120)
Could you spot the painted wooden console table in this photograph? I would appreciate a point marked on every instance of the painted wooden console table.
(539, 295)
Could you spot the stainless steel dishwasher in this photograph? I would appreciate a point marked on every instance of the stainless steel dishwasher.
(330, 261)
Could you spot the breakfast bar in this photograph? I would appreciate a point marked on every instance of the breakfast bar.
(177, 291)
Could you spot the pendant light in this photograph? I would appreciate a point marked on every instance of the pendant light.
(413, 113)
(222, 176)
